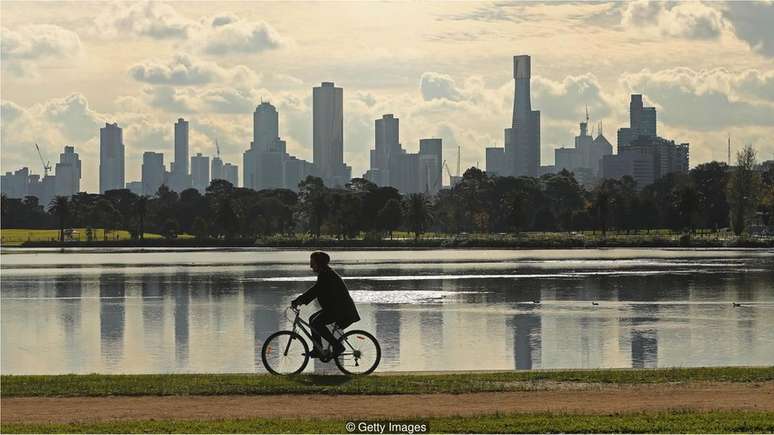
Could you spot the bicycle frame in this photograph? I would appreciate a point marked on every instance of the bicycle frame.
(299, 323)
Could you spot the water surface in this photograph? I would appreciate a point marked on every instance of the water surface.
(209, 310)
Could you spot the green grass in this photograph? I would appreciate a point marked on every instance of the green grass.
(663, 422)
(221, 384)
(15, 237)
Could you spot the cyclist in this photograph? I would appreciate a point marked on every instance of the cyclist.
(333, 296)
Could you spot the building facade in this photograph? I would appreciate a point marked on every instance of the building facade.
(68, 173)
(200, 172)
(153, 173)
(180, 176)
(111, 158)
(328, 134)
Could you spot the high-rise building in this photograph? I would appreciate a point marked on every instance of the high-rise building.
(642, 154)
(200, 172)
(642, 122)
(153, 173)
(111, 158)
(525, 126)
(585, 159)
(216, 172)
(328, 134)
(495, 161)
(68, 173)
(231, 174)
(265, 126)
(181, 178)
(267, 165)
(135, 187)
(431, 160)
(521, 143)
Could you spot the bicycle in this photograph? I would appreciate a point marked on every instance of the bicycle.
(286, 352)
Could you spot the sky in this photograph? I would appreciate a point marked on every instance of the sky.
(443, 68)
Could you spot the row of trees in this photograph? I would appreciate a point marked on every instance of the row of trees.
(710, 196)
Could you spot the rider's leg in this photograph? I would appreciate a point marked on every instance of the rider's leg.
(319, 322)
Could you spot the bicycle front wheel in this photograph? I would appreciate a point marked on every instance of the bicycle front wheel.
(361, 355)
(285, 353)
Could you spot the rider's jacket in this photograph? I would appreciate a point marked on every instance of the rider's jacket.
(333, 296)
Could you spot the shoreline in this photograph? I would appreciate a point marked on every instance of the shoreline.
(462, 243)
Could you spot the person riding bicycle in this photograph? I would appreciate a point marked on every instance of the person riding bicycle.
(333, 296)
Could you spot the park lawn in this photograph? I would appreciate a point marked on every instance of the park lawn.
(661, 422)
(253, 384)
(15, 237)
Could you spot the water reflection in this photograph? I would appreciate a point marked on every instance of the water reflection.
(187, 320)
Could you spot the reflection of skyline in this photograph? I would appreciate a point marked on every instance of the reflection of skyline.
(128, 323)
(112, 315)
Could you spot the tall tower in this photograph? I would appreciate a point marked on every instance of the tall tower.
(524, 158)
(265, 126)
(328, 132)
(68, 172)
(111, 157)
(181, 178)
(386, 140)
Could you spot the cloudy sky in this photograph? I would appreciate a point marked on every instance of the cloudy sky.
(443, 68)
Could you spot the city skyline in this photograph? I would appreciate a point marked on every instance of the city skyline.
(448, 76)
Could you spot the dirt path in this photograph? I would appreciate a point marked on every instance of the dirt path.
(594, 399)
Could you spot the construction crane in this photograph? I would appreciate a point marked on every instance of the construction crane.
(46, 165)
(217, 148)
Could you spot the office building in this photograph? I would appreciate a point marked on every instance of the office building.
(231, 174)
(642, 154)
(267, 164)
(200, 172)
(111, 158)
(495, 161)
(68, 173)
(521, 142)
(216, 169)
(180, 177)
(153, 173)
(135, 187)
(328, 134)
(585, 158)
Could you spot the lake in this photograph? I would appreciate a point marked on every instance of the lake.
(209, 310)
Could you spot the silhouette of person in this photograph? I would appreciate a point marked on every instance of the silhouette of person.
(333, 296)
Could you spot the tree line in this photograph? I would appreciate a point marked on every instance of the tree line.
(710, 196)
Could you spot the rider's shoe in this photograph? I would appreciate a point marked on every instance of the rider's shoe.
(314, 354)
(338, 350)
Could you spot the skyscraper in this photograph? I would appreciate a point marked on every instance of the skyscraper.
(217, 169)
(524, 154)
(328, 134)
(200, 172)
(231, 174)
(431, 159)
(68, 173)
(265, 126)
(181, 179)
(152, 172)
(111, 158)
(642, 122)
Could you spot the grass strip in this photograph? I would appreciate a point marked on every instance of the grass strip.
(252, 384)
(663, 422)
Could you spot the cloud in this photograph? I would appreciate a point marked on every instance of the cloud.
(72, 115)
(566, 99)
(707, 99)
(210, 99)
(438, 86)
(24, 48)
(241, 37)
(752, 22)
(222, 20)
(147, 18)
(184, 69)
(692, 20)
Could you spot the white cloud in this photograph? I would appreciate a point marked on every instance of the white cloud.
(707, 99)
(690, 19)
(566, 99)
(752, 23)
(240, 37)
(147, 18)
(435, 85)
(184, 69)
(24, 48)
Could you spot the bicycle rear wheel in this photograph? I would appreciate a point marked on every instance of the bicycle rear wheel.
(285, 353)
(361, 355)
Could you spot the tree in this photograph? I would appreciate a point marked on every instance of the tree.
(710, 180)
(390, 216)
(417, 214)
(141, 208)
(687, 203)
(743, 189)
(200, 228)
(312, 196)
(226, 220)
(60, 207)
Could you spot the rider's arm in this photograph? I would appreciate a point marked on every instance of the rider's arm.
(309, 295)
